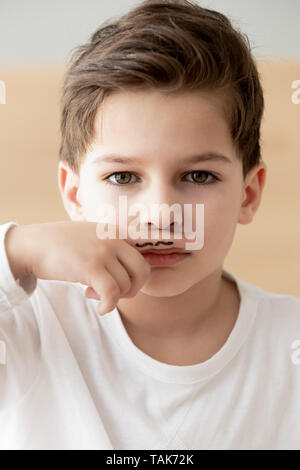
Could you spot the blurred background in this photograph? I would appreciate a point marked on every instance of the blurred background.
(36, 39)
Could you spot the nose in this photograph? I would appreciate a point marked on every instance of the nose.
(153, 235)
(164, 217)
(161, 221)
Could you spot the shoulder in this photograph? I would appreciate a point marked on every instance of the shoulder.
(276, 303)
(266, 299)
(276, 327)
(280, 311)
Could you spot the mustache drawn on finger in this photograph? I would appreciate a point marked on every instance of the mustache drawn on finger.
(141, 245)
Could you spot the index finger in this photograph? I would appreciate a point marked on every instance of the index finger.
(143, 237)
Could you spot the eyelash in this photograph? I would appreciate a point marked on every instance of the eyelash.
(215, 178)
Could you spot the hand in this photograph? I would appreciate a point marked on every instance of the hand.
(72, 251)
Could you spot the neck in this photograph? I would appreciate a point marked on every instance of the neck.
(178, 316)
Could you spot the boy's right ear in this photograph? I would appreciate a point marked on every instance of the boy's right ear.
(68, 183)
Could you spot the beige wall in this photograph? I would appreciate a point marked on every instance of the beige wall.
(265, 252)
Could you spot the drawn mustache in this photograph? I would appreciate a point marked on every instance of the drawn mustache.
(153, 244)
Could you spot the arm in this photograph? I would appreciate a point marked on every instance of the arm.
(16, 282)
(19, 336)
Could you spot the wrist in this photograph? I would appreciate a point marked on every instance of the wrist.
(16, 251)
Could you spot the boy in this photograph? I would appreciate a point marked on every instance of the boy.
(183, 354)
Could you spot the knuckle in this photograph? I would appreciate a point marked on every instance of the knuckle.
(109, 303)
(112, 292)
(132, 293)
(136, 285)
(127, 286)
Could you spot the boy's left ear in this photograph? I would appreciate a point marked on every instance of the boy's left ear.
(68, 183)
(253, 186)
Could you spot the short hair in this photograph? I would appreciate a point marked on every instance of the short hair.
(170, 46)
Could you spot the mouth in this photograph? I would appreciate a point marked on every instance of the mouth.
(159, 257)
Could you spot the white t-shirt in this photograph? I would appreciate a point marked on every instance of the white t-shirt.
(72, 379)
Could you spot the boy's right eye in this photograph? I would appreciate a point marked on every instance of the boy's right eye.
(120, 181)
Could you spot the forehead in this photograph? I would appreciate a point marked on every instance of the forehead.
(137, 109)
(149, 122)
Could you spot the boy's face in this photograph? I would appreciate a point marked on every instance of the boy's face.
(162, 133)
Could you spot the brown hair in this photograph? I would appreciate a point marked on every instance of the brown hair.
(170, 46)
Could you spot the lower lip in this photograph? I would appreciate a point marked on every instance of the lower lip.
(164, 260)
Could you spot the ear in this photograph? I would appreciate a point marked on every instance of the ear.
(68, 183)
(253, 187)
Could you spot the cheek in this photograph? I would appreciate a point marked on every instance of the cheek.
(95, 204)
(220, 221)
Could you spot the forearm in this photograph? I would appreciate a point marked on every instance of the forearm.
(17, 251)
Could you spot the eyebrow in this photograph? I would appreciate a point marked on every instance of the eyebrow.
(124, 159)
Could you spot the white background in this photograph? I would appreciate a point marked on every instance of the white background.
(43, 31)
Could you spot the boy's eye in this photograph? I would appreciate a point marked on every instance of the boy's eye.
(121, 179)
(197, 177)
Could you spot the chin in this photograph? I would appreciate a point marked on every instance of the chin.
(164, 288)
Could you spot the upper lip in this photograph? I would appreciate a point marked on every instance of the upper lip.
(164, 250)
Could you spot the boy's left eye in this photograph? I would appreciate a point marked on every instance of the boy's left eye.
(194, 173)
